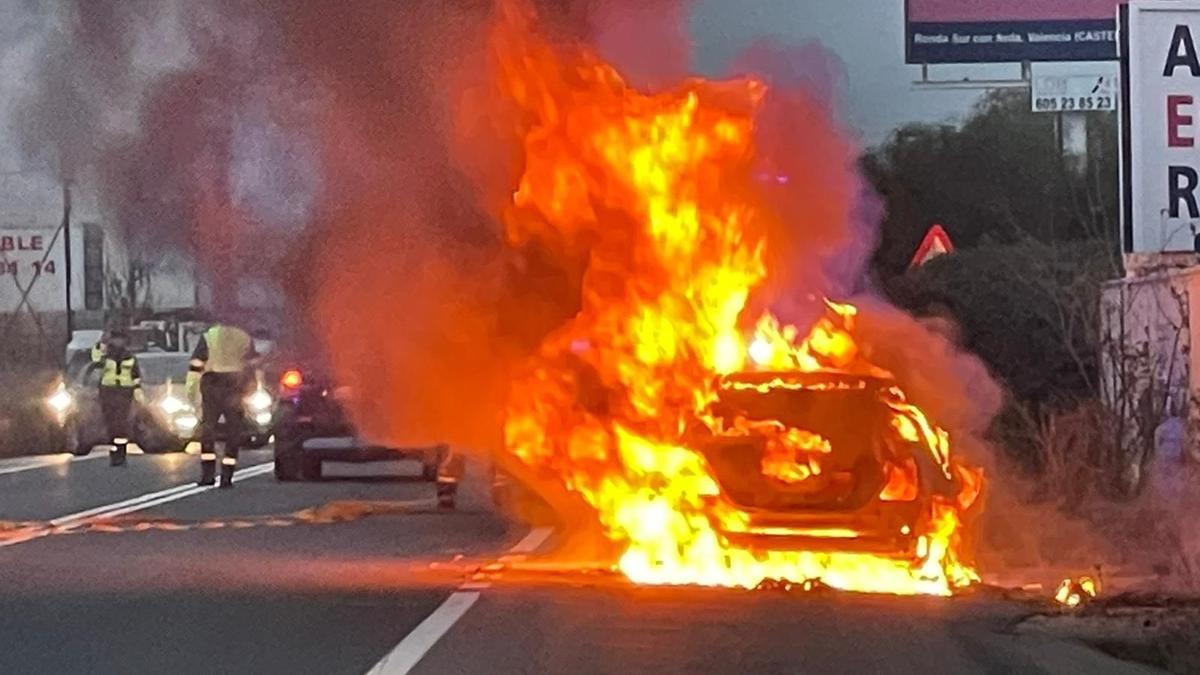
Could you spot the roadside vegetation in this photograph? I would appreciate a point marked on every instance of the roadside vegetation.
(1037, 237)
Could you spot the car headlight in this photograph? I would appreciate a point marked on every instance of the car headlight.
(173, 405)
(186, 424)
(263, 419)
(259, 402)
(60, 403)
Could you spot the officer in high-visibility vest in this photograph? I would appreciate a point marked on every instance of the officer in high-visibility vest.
(221, 373)
(120, 386)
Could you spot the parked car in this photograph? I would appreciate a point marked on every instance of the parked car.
(312, 427)
(167, 422)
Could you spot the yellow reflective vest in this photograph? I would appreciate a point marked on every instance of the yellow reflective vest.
(123, 372)
(223, 349)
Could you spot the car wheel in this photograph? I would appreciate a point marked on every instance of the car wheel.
(153, 443)
(287, 467)
(76, 444)
(289, 452)
(447, 494)
(310, 467)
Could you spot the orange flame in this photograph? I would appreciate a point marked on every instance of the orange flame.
(1073, 592)
(655, 192)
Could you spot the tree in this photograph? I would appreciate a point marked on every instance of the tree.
(1036, 238)
(128, 291)
(1029, 309)
(997, 178)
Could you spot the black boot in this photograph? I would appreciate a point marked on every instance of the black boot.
(447, 491)
(116, 456)
(450, 469)
(227, 476)
(208, 472)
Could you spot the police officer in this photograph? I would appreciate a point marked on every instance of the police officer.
(120, 386)
(221, 372)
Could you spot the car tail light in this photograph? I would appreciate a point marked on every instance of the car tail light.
(291, 379)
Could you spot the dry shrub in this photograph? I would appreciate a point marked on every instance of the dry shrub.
(1097, 503)
(1077, 454)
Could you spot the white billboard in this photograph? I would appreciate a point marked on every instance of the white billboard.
(33, 272)
(1160, 126)
(1089, 92)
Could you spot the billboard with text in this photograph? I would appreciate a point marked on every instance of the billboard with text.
(999, 31)
(1160, 110)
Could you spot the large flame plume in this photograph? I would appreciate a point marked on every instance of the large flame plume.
(658, 194)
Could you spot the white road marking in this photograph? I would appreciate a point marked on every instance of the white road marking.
(139, 503)
(406, 655)
(416, 644)
(532, 541)
(103, 509)
(19, 464)
(248, 472)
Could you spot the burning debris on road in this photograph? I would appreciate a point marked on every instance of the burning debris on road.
(1073, 592)
(655, 197)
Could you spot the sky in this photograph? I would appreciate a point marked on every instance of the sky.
(876, 92)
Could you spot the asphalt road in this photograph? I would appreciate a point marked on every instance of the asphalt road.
(357, 574)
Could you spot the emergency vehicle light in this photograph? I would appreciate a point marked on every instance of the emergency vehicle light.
(291, 379)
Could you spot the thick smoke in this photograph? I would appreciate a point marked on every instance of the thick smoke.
(359, 158)
(357, 155)
(185, 121)
(310, 146)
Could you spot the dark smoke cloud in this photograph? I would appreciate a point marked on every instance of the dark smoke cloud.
(324, 146)
(306, 143)
(154, 105)
(351, 152)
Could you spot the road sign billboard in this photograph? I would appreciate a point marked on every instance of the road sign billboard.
(1074, 93)
(998, 31)
(33, 270)
(1160, 111)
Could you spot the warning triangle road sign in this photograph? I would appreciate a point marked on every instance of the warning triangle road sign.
(935, 244)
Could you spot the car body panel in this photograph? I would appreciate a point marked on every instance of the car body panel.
(157, 428)
(313, 426)
(843, 508)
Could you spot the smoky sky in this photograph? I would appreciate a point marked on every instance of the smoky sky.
(867, 38)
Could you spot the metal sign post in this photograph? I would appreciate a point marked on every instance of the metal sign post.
(66, 229)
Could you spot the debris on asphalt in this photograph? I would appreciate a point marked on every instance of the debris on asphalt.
(1158, 630)
(1075, 592)
(332, 512)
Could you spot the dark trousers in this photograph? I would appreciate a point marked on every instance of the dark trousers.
(116, 404)
(221, 397)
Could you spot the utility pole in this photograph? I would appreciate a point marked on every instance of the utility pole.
(66, 229)
(1073, 141)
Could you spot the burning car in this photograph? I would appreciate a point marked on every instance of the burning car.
(807, 464)
(673, 382)
(823, 461)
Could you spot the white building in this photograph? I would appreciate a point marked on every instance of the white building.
(38, 269)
